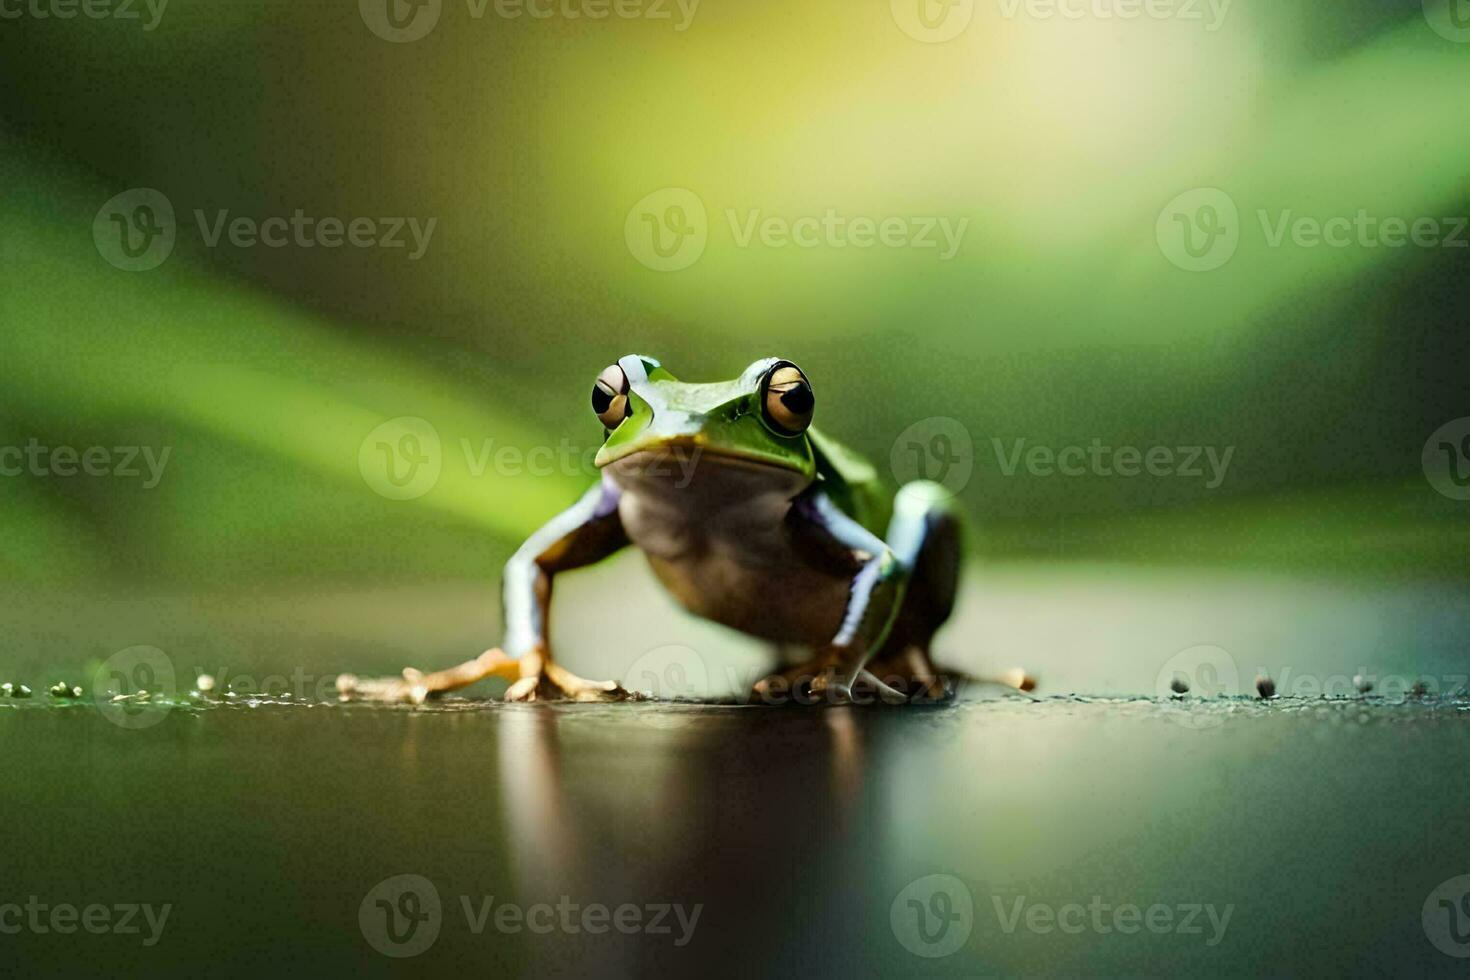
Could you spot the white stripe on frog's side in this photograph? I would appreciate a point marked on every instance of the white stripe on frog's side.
(878, 563)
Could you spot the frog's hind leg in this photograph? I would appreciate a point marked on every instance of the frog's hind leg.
(926, 537)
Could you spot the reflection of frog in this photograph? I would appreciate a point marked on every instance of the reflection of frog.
(749, 517)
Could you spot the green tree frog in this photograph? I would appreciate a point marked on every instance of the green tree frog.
(750, 517)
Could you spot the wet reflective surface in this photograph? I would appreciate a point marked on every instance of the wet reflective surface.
(1068, 835)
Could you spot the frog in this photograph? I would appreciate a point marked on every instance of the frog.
(749, 516)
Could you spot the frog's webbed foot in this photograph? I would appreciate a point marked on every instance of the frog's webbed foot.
(913, 673)
(866, 688)
(416, 687)
(542, 679)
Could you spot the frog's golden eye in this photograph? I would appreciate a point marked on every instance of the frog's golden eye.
(787, 399)
(610, 397)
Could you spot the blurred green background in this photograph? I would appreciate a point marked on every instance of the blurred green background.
(1059, 321)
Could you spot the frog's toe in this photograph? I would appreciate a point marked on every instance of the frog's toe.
(415, 687)
(914, 674)
(524, 689)
(409, 688)
(828, 688)
(580, 688)
(887, 693)
(552, 681)
(786, 686)
(599, 691)
(866, 688)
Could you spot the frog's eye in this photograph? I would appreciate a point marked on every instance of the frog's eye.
(787, 400)
(610, 397)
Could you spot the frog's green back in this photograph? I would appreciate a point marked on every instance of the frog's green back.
(852, 482)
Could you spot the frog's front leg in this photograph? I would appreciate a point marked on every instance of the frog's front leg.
(415, 686)
(874, 596)
(585, 533)
(588, 532)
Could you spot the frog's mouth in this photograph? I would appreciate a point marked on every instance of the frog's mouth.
(689, 451)
(712, 471)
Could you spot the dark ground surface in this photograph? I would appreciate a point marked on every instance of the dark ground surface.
(1322, 826)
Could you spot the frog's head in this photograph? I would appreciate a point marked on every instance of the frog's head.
(745, 435)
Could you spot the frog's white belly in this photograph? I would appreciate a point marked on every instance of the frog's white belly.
(729, 555)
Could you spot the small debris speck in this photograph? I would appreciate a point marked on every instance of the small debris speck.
(1018, 678)
(1179, 685)
(1265, 687)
